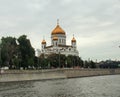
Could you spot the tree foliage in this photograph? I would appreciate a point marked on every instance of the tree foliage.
(8, 51)
(26, 51)
(16, 52)
(60, 61)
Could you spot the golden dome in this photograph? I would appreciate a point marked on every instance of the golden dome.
(55, 38)
(73, 40)
(43, 42)
(58, 30)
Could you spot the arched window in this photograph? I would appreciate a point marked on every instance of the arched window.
(62, 40)
(59, 40)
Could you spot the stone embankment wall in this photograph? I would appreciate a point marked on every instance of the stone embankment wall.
(91, 72)
(23, 75)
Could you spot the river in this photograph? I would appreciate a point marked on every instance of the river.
(99, 86)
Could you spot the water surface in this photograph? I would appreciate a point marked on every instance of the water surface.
(100, 86)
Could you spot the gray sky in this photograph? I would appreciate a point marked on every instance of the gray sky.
(95, 23)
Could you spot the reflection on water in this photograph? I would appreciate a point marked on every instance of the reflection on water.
(101, 86)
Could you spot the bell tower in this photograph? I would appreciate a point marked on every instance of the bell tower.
(73, 42)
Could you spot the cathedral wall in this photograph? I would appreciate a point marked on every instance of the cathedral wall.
(61, 39)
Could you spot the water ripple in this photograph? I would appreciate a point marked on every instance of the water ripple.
(102, 86)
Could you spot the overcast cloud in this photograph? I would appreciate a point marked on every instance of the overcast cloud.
(95, 23)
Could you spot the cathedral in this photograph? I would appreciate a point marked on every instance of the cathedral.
(58, 44)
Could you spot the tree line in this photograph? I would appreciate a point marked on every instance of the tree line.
(16, 53)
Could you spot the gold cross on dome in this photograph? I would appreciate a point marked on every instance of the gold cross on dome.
(57, 21)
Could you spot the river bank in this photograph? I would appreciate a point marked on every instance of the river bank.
(24, 75)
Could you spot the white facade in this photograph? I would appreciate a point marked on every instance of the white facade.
(61, 39)
(58, 44)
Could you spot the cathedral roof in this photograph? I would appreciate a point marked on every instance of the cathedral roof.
(43, 42)
(58, 30)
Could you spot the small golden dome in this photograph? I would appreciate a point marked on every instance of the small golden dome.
(73, 40)
(55, 38)
(43, 42)
(58, 30)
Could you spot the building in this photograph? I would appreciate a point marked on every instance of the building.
(58, 43)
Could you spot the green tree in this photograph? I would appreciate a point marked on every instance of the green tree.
(56, 60)
(69, 61)
(43, 62)
(8, 51)
(78, 61)
(27, 52)
(37, 62)
(92, 64)
(53, 60)
(62, 59)
(73, 61)
(86, 64)
(0, 54)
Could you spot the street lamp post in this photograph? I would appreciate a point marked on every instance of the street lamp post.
(59, 59)
(66, 63)
(0, 57)
(38, 64)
